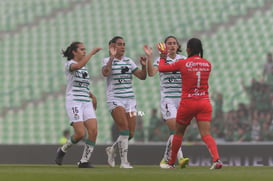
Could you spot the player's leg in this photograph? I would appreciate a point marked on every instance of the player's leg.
(90, 142)
(203, 122)
(176, 142)
(169, 111)
(79, 132)
(120, 118)
(204, 128)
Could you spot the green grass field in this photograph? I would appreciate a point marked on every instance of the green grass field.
(138, 173)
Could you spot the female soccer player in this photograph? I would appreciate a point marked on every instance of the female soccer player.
(195, 102)
(80, 109)
(120, 96)
(170, 90)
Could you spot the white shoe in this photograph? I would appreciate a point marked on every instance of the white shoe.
(163, 163)
(167, 166)
(110, 151)
(126, 165)
(216, 165)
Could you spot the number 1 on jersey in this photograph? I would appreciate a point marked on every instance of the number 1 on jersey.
(198, 78)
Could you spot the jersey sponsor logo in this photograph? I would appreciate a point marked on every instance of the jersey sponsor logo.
(83, 74)
(195, 64)
(174, 79)
(124, 79)
(81, 84)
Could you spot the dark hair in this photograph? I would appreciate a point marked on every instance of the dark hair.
(178, 44)
(114, 40)
(195, 46)
(68, 53)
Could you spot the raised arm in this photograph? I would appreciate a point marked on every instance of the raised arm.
(152, 70)
(141, 74)
(163, 67)
(85, 59)
(107, 69)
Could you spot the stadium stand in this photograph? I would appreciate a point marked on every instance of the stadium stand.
(33, 33)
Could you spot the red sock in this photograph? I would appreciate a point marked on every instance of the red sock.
(176, 144)
(208, 139)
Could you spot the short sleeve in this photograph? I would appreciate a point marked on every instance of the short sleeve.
(156, 62)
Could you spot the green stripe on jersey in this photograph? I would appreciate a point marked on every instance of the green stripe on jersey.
(122, 74)
(81, 100)
(174, 87)
(124, 92)
(172, 96)
(123, 83)
(80, 91)
(120, 88)
(172, 83)
(77, 95)
(124, 96)
(122, 78)
(172, 92)
(120, 64)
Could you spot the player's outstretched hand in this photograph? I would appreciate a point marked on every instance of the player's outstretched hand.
(161, 48)
(148, 50)
(112, 50)
(95, 50)
(143, 60)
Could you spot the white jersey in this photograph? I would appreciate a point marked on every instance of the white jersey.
(78, 82)
(119, 82)
(170, 82)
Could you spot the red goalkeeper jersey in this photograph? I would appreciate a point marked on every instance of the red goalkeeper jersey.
(195, 73)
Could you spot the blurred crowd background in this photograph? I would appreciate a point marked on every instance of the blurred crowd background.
(237, 37)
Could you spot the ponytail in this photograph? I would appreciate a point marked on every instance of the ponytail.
(68, 53)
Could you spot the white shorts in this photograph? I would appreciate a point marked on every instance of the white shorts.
(128, 104)
(168, 107)
(80, 111)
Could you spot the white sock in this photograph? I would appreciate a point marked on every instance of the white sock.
(88, 149)
(167, 154)
(67, 145)
(123, 148)
(180, 154)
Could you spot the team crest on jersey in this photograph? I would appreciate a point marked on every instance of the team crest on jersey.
(124, 69)
(84, 74)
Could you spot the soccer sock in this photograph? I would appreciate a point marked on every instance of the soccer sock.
(176, 144)
(68, 144)
(180, 153)
(212, 147)
(123, 132)
(123, 145)
(167, 153)
(88, 149)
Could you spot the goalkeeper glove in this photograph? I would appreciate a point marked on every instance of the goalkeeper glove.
(162, 49)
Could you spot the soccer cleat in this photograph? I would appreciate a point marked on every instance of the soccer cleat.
(216, 165)
(183, 162)
(110, 151)
(126, 165)
(168, 166)
(59, 156)
(163, 163)
(85, 165)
